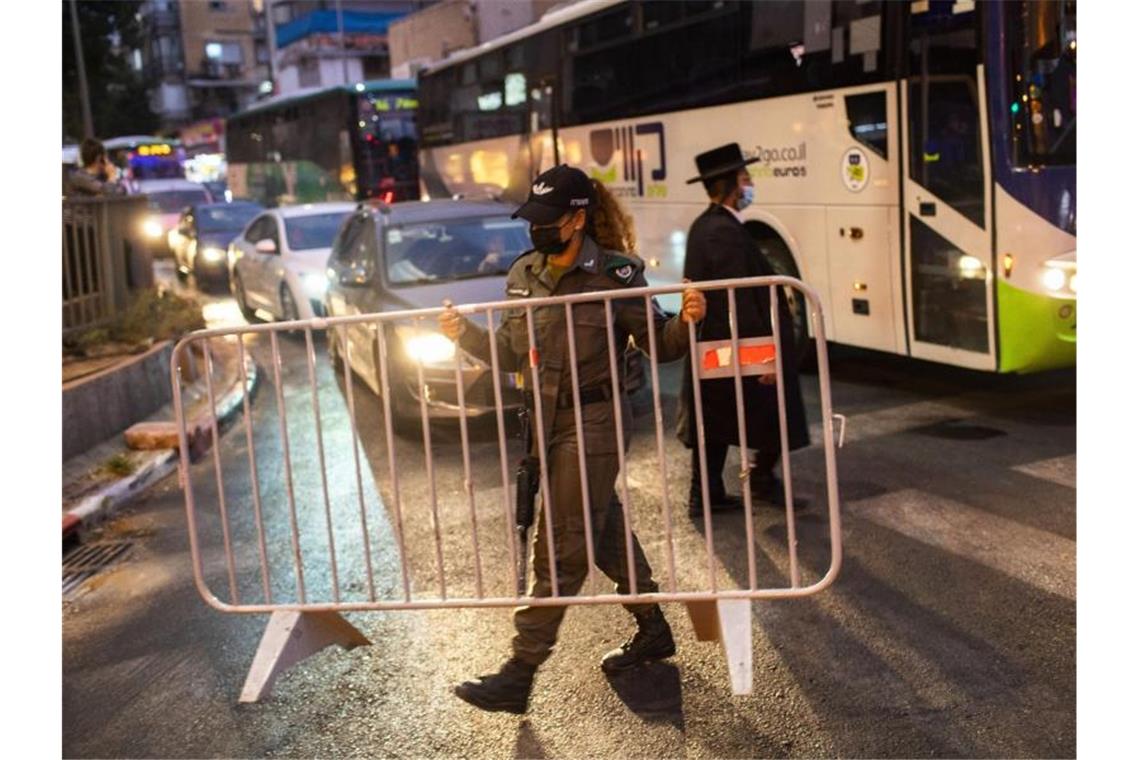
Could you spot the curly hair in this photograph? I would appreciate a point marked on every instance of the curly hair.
(609, 224)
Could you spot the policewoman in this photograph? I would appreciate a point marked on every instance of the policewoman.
(566, 209)
(720, 248)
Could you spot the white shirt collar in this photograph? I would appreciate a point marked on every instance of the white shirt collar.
(734, 212)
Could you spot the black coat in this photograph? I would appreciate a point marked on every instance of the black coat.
(720, 248)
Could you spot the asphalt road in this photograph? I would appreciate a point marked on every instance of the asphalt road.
(950, 632)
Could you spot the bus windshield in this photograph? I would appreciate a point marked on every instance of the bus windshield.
(1044, 86)
(456, 250)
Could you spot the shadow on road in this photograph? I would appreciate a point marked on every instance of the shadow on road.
(651, 692)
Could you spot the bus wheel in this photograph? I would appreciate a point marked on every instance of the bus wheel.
(773, 248)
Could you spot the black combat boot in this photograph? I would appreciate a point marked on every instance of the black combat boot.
(505, 691)
(653, 641)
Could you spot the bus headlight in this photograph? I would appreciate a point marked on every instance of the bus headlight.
(426, 347)
(1054, 278)
(213, 255)
(152, 228)
(314, 284)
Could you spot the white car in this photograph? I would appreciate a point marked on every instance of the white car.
(167, 198)
(277, 265)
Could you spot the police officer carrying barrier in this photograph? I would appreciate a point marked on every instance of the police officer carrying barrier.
(566, 211)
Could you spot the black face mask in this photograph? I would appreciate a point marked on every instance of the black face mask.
(548, 240)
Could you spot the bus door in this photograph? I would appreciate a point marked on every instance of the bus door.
(948, 253)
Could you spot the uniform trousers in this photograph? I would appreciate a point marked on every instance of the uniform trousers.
(537, 627)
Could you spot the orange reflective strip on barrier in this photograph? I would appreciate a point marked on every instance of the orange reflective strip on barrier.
(722, 357)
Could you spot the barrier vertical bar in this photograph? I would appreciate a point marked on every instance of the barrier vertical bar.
(540, 428)
(468, 486)
(349, 391)
(429, 462)
(742, 432)
(69, 254)
(310, 356)
(386, 392)
(256, 483)
(789, 506)
(659, 429)
(284, 427)
(583, 477)
(216, 446)
(836, 533)
(619, 432)
(698, 412)
(184, 470)
(497, 384)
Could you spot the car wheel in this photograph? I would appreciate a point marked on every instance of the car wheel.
(773, 249)
(238, 288)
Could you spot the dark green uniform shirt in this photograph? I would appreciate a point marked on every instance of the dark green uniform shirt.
(595, 269)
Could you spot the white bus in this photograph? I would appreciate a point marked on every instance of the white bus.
(918, 159)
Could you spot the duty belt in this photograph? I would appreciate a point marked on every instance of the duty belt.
(593, 395)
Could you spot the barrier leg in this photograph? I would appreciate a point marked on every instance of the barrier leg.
(730, 621)
(290, 637)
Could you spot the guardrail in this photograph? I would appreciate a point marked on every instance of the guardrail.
(104, 259)
(332, 539)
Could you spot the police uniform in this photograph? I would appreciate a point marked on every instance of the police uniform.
(595, 269)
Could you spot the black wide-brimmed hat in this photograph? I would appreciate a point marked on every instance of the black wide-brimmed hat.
(719, 161)
(555, 192)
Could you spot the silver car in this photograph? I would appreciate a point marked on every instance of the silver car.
(414, 255)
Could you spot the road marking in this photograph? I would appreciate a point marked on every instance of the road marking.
(897, 419)
(1036, 557)
(1059, 470)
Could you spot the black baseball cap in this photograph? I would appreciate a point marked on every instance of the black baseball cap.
(555, 192)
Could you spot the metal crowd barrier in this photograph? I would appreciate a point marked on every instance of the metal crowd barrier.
(104, 259)
(369, 552)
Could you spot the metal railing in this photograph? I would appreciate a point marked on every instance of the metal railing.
(332, 538)
(104, 259)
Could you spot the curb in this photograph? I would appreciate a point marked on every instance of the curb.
(99, 505)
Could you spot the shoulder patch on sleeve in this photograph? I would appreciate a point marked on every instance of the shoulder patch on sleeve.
(623, 268)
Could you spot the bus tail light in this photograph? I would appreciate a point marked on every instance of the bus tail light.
(1007, 265)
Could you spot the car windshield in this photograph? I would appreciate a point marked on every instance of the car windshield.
(316, 231)
(232, 216)
(170, 201)
(440, 251)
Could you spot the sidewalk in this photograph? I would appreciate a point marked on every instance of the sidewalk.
(100, 480)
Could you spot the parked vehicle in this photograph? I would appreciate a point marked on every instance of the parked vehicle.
(277, 264)
(414, 255)
(203, 234)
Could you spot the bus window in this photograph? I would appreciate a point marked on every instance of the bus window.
(1044, 86)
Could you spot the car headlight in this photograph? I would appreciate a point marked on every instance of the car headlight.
(426, 347)
(152, 228)
(213, 254)
(314, 284)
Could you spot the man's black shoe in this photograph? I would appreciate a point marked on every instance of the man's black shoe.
(725, 503)
(505, 691)
(652, 641)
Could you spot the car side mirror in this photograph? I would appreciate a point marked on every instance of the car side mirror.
(265, 245)
(357, 276)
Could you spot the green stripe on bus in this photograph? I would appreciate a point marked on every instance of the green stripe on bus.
(1037, 332)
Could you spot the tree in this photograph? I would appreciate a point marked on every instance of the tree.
(119, 101)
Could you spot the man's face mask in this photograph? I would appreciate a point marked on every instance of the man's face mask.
(548, 240)
(747, 195)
